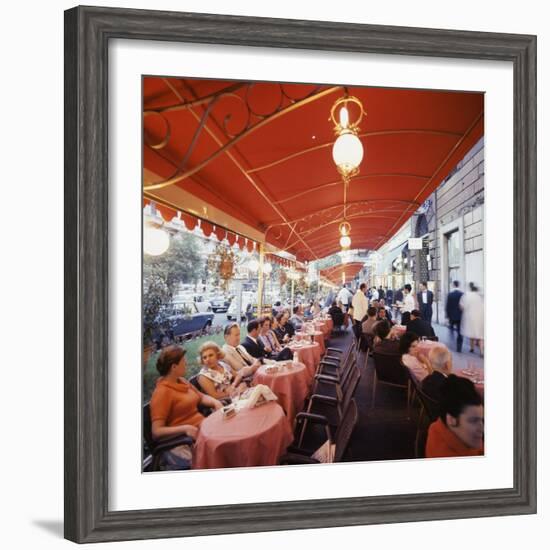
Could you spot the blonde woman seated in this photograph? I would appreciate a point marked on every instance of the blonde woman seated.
(417, 363)
(174, 404)
(217, 378)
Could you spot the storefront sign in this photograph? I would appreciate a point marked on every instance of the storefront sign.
(415, 243)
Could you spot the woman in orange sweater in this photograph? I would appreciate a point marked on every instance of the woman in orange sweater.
(174, 404)
(459, 430)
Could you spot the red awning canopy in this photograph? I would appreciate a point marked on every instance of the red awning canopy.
(334, 273)
(279, 177)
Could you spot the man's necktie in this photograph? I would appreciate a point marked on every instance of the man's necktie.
(245, 358)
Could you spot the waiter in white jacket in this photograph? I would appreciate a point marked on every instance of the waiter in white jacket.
(360, 304)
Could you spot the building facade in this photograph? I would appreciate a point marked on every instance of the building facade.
(450, 226)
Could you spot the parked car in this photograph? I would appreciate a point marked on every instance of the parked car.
(188, 319)
(219, 303)
(249, 311)
(203, 304)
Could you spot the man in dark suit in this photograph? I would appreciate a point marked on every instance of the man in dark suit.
(255, 346)
(389, 296)
(454, 313)
(425, 300)
(419, 326)
(441, 363)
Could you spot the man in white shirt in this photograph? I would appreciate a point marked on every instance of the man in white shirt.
(235, 354)
(343, 297)
(360, 306)
(408, 304)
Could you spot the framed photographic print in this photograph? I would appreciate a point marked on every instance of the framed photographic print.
(288, 245)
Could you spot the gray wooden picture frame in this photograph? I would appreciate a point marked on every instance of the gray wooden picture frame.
(87, 34)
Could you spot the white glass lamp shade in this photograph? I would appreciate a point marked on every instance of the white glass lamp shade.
(267, 269)
(347, 152)
(345, 241)
(253, 265)
(155, 241)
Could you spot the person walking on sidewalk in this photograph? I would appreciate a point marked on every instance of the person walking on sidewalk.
(454, 313)
(473, 322)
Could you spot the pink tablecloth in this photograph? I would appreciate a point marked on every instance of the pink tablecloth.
(309, 355)
(254, 437)
(425, 347)
(325, 326)
(477, 379)
(290, 385)
(317, 337)
(398, 330)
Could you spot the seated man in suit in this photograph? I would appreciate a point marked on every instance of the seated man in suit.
(255, 346)
(441, 363)
(383, 316)
(382, 303)
(419, 326)
(460, 427)
(235, 354)
(383, 344)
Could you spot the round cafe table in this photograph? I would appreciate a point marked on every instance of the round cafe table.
(309, 354)
(317, 337)
(290, 385)
(253, 437)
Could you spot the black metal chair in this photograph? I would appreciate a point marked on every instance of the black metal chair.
(205, 411)
(151, 461)
(331, 407)
(389, 371)
(342, 436)
(429, 412)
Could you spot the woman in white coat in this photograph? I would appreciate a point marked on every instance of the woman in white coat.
(473, 320)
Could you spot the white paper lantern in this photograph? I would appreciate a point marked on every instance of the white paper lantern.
(345, 241)
(253, 265)
(347, 152)
(267, 269)
(155, 241)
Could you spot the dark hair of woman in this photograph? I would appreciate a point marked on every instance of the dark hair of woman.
(381, 329)
(170, 355)
(405, 342)
(280, 316)
(473, 287)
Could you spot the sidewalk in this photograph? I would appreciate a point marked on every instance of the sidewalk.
(460, 360)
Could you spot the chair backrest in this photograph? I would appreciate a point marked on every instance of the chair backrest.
(194, 380)
(351, 385)
(431, 406)
(148, 426)
(389, 369)
(345, 430)
(337, 317)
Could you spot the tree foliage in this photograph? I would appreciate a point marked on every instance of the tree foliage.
(181, 263)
